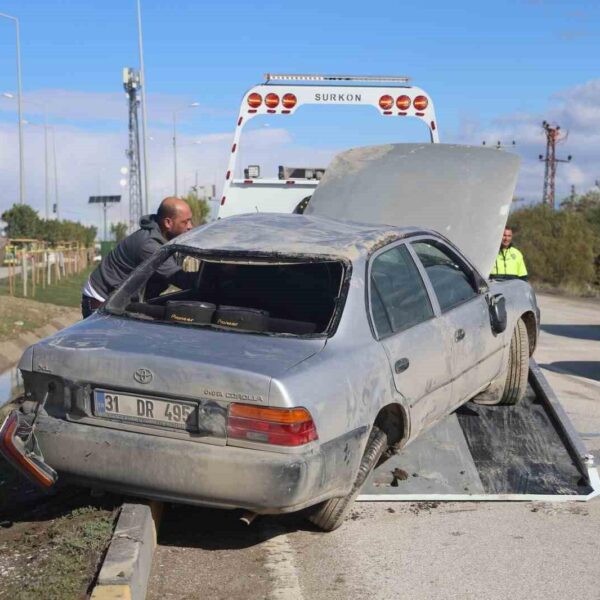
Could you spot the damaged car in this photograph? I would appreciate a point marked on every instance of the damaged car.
(307, 349)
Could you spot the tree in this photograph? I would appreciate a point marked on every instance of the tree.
(119, 230)
(560, 247)
(199, 206)
(21, 222)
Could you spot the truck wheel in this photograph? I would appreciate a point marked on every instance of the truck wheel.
(329, 515)
(510, 389)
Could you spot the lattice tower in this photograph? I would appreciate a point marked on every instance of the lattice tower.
(131, 83)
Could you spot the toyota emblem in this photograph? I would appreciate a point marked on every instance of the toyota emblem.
(143, 375)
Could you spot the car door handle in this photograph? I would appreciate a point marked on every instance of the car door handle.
(401, 365)
(459, 335)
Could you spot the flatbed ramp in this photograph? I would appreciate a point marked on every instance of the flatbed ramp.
(526, 452)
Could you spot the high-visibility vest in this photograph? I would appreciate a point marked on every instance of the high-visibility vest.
(510, 262)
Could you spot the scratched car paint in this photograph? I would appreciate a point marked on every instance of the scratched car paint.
(358, 328)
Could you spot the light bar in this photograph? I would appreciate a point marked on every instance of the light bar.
(308, 77)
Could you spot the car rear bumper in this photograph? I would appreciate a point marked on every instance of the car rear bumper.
(199, 473)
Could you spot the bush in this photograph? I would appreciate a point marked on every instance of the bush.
(23, 222)
(560, 247)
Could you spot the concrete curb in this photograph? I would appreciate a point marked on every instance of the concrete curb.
(126, 569)
(11, 351)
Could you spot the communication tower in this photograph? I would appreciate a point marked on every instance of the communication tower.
(553, 137)
(131, 83)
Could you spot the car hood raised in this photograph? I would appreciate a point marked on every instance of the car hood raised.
(463, 192)
(187, 362)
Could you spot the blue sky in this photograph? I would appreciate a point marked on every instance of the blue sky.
(493, 69)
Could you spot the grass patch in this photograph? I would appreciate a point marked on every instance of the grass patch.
(56, 559)
(67, 292)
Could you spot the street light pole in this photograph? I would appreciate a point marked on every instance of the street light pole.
(55, 175)
(175, 152)
(46, 169)
(192, 105)
(143, 95)
(19, 95)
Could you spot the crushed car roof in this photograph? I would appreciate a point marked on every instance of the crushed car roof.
(291, 234)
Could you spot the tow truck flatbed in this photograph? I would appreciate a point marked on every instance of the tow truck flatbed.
(530, 451)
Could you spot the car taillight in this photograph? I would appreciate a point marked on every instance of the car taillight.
(271, 100)
(420, 103)
(13, 449)
(386, 102)
(281, 426)
(289, 100)
(403, 102)
(254, 100)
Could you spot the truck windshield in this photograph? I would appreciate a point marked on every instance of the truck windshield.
(287, 296)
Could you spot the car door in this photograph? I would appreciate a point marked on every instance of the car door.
(476, 351)
(415, 339)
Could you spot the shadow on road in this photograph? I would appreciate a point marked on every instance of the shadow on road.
(212, 529)
(578, 332)
(581, 368)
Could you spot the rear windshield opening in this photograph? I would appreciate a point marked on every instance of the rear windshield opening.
(297, 298)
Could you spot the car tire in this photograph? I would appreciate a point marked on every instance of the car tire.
(518, 366)
(512, 387)
(329, 515)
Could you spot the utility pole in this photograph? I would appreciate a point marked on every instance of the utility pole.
(143, 96)
(499, 145)
(553, 137)
(131, 83)
(19, 107)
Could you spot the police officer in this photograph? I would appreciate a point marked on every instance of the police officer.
(509, 262)
(173, 218)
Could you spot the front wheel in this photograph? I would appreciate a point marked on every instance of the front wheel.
(512, 388)
(329, 515)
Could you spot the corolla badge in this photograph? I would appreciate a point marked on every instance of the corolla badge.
(143, 376)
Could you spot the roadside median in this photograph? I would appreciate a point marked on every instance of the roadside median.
(126, 568)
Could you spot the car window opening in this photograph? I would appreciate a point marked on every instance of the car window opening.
(286, 297)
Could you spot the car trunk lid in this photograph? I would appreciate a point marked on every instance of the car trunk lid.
(177, 361)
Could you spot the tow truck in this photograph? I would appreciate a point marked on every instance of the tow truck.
(478, 453)
(283, 95)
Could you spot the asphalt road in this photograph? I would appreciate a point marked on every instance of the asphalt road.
(412, 550)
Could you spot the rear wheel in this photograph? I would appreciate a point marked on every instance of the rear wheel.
(512, 388)
(329, 515)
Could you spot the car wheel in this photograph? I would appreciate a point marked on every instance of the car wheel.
(514, 385)
(518, 365)
(329, 515)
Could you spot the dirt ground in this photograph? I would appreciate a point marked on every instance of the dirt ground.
(18, 315)
(51, 545)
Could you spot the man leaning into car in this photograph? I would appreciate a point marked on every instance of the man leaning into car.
(173, 218)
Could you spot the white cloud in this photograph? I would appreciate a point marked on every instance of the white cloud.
(577, 111)
(88, 163)
(76, 105)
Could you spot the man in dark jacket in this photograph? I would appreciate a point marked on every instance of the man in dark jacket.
(173, 218)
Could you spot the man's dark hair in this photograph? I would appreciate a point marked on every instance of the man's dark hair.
(509, 228)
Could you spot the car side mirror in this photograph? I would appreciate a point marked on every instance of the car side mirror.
(497, 308)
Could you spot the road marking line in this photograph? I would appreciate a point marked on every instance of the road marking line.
(281, 565)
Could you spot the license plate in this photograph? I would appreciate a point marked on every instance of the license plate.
(140, 409)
